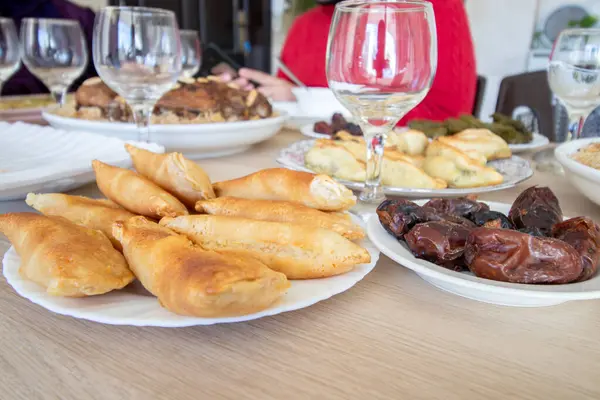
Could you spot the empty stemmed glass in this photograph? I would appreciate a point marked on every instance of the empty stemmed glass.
(191, 53)
(10, 56)
(55, 51)
(574, 77)
(137, 53)
(381, 61)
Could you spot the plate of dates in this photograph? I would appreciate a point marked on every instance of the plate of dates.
(526, 254)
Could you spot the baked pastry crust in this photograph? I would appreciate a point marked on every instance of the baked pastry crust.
(67, 259)
(98, 214)
(135, 193)
(174, 173)
(281, 211)
(481, 141)
(315, 191)
(300, 252)
(189, 280)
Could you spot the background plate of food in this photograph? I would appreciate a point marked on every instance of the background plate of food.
(474, 161)
(518, 138)
(24, 108)
(581, 162)
(199, 118)
(514, 132)
(519, 255)
(45, 159)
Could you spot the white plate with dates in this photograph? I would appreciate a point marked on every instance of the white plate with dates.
(136, 307)
(514, 170)
(468, 285)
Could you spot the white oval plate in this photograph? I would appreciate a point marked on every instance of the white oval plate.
(194, 140)
(468, 285)
(537, 142)
(42, 159)
(515, 170)
(132, 306)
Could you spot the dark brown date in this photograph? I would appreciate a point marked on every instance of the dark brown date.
(460, 207)
(536, 207)
(584, 235)
(491, 219)
(323, 127)
(533, 232)
(440, 242)
(400, 216)
(511, 256)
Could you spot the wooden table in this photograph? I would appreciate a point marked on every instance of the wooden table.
(393, 336)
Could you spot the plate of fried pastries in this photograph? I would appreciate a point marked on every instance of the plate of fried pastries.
(200, 118)
(473, 161)
(522, 254)
(167, 247)
(45, 159)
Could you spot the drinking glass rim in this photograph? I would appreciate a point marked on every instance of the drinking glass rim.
(139, 10)
(579, 31)
(419, 5)
(188, 31)
(58, 21)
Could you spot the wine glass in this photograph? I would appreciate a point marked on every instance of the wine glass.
(137, 53)
(191, 53)
(574, 77)
(10, 55)
(55, 51)
(381, 61)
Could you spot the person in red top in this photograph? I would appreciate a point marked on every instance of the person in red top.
(304, 51)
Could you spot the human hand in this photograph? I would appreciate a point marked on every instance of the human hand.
(272, 87)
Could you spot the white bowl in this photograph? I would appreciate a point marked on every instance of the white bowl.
(194, 140)
(319, 103)
(585, 179)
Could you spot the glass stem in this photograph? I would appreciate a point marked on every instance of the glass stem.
(141, 116)
(576, 122)
(375, 138)
(59, 94)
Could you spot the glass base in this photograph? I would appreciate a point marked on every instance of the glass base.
(372, 195)
(547, 162)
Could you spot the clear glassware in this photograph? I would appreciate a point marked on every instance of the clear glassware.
(191, 53)
(574, 77)
(137, 53)
(10, 55)
(55, 51)
(381, 61)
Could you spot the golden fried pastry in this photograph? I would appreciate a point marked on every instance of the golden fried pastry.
(393, 154)
(462, 172)
(404, 174)
(315, 191)
(328, 158)
(94, 214)
(440, 148)
(482, 141)
(411, 142)
(136, 193)
(298, 251)
(189, 280)
(333, 158)
(67, 259)
(281, 211)
(173, 172)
